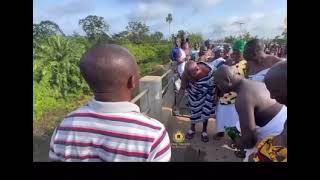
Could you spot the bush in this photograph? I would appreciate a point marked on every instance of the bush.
(148, 56)
(56, 76)
(57, 82)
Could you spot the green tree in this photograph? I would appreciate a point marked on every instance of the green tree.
(56, 62)
(121, 37)
(279, 40)
(195, 38)
(284, 34)
(169, 20)
(46, 28)
(138, 31)
(247, 36)
(156, 37)
(181, 34)
(230, 39)
(95, 27)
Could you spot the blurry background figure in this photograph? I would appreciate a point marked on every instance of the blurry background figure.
(186, 49)
(209, 44)
(204, 54)
(227, 51)
(218, 52)
(195, 52)
(174, 53)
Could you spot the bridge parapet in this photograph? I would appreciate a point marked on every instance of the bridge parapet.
(152, 95)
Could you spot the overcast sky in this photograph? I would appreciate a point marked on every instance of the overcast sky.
(213, 18)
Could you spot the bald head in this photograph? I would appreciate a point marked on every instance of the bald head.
(253, 49)
(226, 78)
(276, 81)
(109, 68)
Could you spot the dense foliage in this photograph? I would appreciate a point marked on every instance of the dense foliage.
(57, 82)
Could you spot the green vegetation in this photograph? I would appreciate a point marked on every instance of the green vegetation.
(57, 82)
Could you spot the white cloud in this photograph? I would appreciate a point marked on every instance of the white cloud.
(153, 9)
(257, 23)
(71, 7)
(149, 11)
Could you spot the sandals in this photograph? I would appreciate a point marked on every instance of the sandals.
(190, 134)
(204, 137)
(240, 154)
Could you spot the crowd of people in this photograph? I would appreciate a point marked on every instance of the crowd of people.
(229, 83)
(275, 49)
(241, 85)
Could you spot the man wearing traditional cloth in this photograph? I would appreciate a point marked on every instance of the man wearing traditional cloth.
(258, 62)
(274, 148)
(227, 115)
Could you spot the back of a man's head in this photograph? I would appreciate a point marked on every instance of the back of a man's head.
(276, 81)
(109, 69)
(225, 77)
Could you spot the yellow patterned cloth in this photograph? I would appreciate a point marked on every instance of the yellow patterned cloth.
(230, 98)
(267, 152)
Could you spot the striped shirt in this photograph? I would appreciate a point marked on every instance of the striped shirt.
(109, 131)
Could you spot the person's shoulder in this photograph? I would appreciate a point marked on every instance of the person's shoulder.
(248, 89)
(80, 109)
(148, 120)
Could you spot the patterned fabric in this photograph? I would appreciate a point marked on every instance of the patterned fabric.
(230, 98)
(267, 152)
(201, 97)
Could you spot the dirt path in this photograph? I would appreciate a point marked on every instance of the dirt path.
(195, 149)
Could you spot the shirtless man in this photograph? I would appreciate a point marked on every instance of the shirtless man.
(274, 148)
(259, 115)
(258, 62)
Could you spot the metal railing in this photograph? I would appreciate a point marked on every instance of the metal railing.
(165, 88)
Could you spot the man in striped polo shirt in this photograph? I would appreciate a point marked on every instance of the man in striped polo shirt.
(109, 127)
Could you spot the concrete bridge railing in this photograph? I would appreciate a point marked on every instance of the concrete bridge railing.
(153, 95)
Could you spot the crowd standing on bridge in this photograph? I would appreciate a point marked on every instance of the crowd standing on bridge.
(243, 86)
(229, 83)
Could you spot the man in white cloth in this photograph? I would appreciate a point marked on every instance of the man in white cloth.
(258, 62)
(259, 115)
(226, 115)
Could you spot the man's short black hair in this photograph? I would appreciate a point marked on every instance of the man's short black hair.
(255, 45)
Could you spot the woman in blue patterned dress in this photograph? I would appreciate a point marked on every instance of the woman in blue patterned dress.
(198, 80)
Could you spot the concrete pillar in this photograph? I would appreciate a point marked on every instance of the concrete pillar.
(153, 99)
